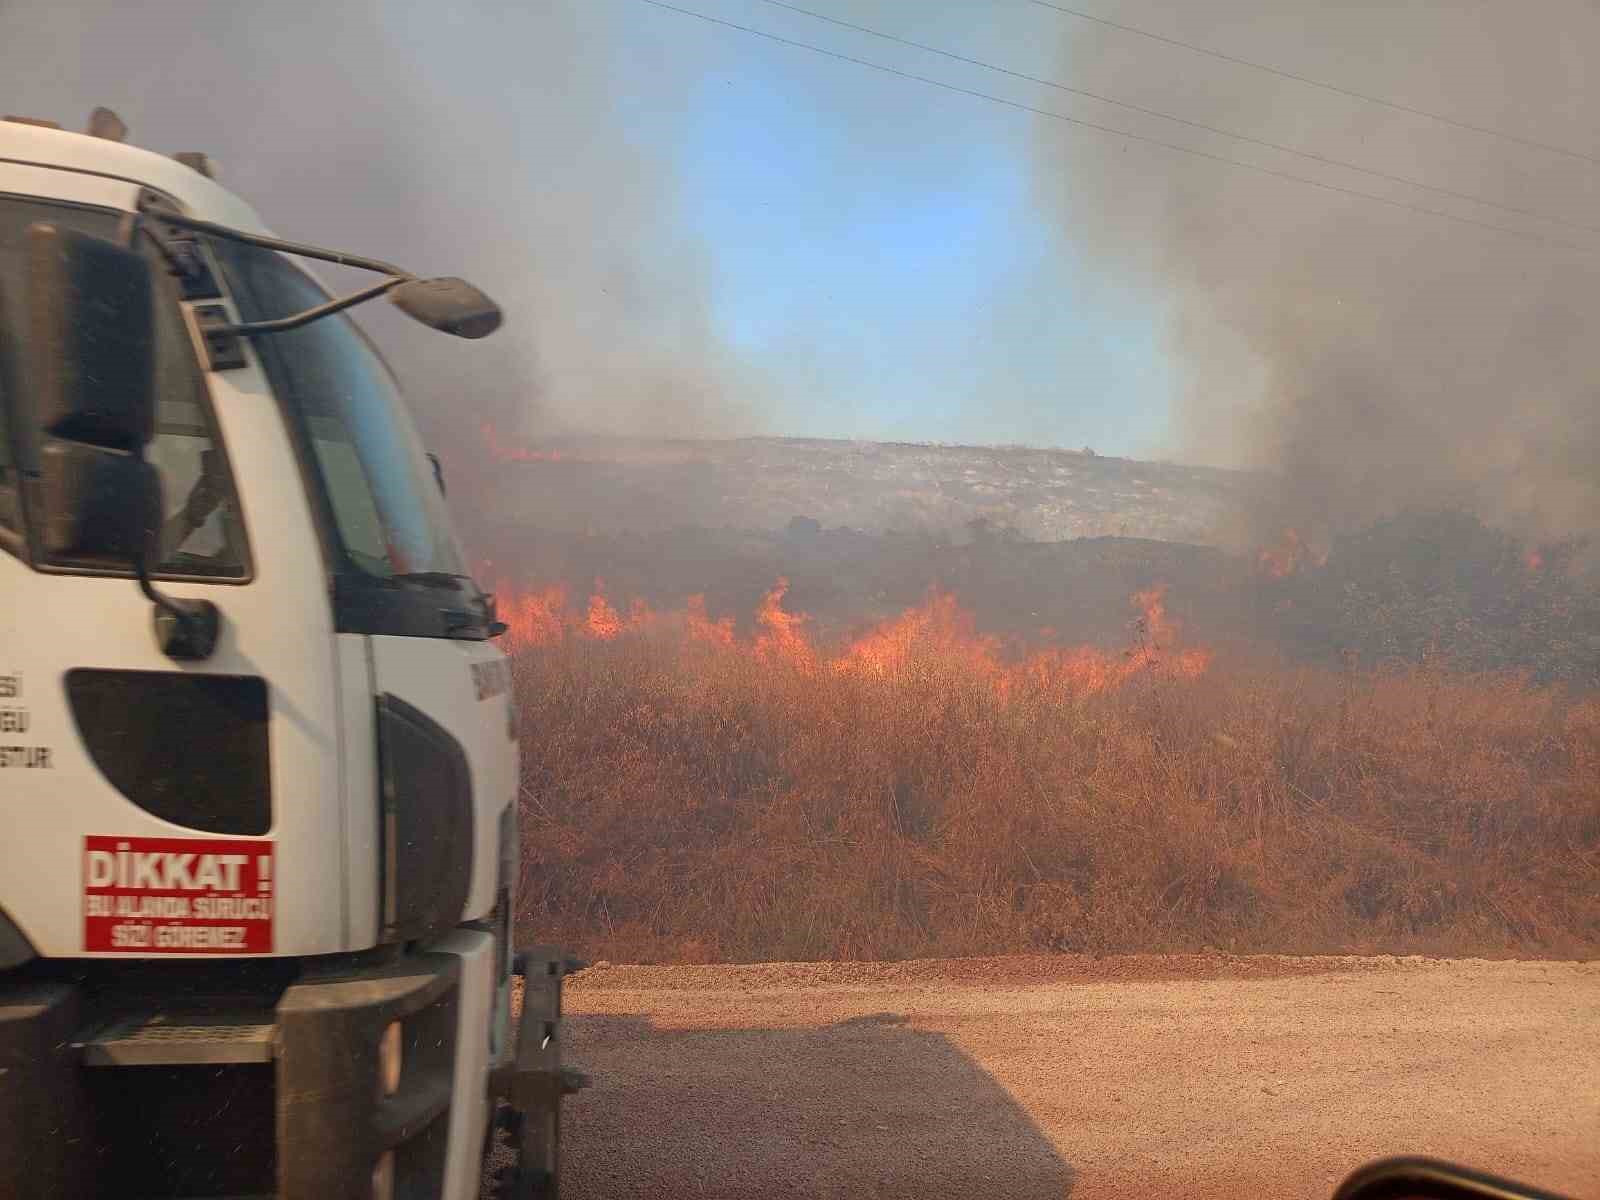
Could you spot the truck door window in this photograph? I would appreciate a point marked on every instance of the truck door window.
(203, 535)
(9, 514)
(201, 532)
(12, 331)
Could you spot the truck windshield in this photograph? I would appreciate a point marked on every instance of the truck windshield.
(389, 516)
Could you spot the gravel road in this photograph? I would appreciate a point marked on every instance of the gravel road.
(1021, 1078)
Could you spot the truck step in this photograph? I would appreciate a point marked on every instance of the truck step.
(187, 1039)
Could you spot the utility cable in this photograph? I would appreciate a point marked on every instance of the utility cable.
(1122, 133)
(1165, 116)
(1317, 83)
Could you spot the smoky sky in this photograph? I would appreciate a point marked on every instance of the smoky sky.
(488, 140)
(693, 230)
(1369, 359)
(698, 232)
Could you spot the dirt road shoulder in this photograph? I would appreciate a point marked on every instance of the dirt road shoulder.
(1021, 1077)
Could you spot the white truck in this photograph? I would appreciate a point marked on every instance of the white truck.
(258, 758)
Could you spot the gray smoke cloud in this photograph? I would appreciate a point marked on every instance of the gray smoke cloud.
(1368, 359)
(507, 143)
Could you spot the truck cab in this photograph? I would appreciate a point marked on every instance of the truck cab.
(258, 758)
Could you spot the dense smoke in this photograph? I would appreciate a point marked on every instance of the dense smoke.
(505, 143)
(1367, 358)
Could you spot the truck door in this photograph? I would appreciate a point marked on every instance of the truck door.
(123, 774)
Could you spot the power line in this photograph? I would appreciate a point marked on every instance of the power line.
(1122, 133)
(1317, 83)
(1165, 116)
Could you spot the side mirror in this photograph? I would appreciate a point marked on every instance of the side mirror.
(91, 349)
(449, 305)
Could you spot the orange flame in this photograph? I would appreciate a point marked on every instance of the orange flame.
(1153, 628)
(1282, 559)
(1288, 556)
(502, 451)
(602, 622)
(703, 628)
(938, 629)
(534, 618)
(938, 622)
(1155, 635)
(782, 633)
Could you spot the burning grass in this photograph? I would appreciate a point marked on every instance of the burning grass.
(692, 793)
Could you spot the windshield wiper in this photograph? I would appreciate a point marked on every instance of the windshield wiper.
(434, 578)
(460, 622)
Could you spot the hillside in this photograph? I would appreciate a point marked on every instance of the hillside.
(1037, 544)
(602, 485)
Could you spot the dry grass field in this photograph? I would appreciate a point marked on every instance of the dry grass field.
(697, 791)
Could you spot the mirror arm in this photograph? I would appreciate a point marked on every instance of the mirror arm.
(152, 208)
(181, 255)
(128, 231)
(460, 309)
(296, 320)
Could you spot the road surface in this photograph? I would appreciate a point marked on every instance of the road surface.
(1027, 1078)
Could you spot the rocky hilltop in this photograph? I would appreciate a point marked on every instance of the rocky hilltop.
(1040, 495)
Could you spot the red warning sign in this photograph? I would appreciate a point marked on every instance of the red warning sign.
(177, 895)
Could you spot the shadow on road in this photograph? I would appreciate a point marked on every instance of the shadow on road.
(867, 1107)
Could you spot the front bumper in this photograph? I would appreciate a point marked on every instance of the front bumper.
(82, 1116)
